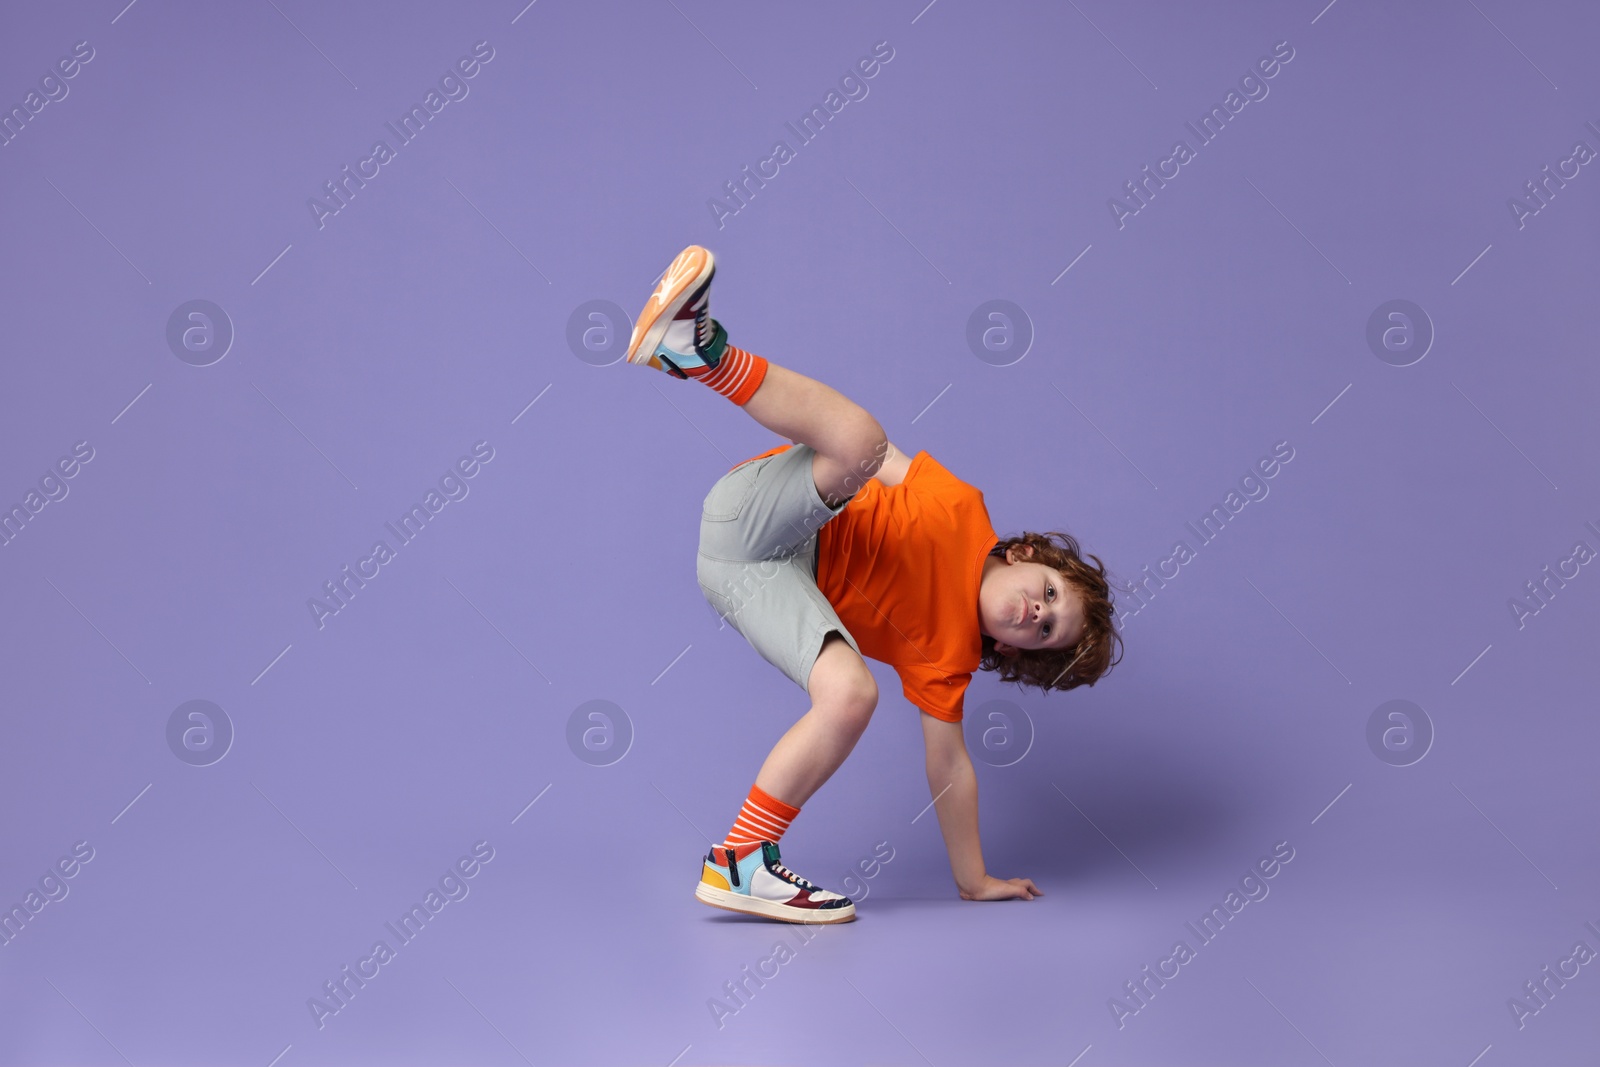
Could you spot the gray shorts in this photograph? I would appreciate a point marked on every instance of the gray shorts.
(757, 562)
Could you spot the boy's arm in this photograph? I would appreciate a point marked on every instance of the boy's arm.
(954, 786)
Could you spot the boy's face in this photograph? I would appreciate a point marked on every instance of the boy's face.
(1025, 605)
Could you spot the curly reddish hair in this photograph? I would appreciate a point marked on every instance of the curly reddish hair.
(1096, 651)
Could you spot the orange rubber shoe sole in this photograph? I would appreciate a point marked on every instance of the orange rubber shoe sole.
(686, 274)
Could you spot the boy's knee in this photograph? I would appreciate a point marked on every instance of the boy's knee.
(853, 708)
(876, 442)
(842, 684)
(856, 700)
(860, 694)
(870, 447)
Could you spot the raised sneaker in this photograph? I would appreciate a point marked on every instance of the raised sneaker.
(675, 332)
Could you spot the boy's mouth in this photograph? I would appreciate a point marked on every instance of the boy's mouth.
(1022, 616)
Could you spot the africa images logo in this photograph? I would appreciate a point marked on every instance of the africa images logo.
(1253, 85)
(853, 87)
(341, 590)
(452, 87)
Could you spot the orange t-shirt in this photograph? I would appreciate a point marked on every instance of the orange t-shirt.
(901, 565)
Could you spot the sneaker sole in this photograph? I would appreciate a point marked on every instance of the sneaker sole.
(767, 909)
(687, 273)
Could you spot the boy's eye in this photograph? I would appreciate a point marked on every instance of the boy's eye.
(1049, 591)
(1045, 632)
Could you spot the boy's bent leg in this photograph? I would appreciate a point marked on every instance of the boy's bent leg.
(850, 444)
(675, 332)
(843, 696)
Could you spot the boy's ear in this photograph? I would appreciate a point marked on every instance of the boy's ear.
(1006, 650)
(1025, 551)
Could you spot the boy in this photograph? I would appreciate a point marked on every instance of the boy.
(911, 574)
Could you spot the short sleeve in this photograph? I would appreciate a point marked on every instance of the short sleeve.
(935, 692)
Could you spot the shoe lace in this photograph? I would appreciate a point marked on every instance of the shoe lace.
(703, 329)
(783, 872)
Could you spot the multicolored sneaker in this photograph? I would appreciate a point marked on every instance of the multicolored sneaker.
(750, 878)
(675, 331)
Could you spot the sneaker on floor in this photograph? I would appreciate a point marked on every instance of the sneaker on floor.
(750, 878)
(675, 332)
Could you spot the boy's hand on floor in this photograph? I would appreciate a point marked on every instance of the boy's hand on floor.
(994, 888)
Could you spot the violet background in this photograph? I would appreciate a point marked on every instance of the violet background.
(425, 716)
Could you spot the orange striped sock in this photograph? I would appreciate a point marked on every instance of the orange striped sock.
(737, 376)
(763, 818)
